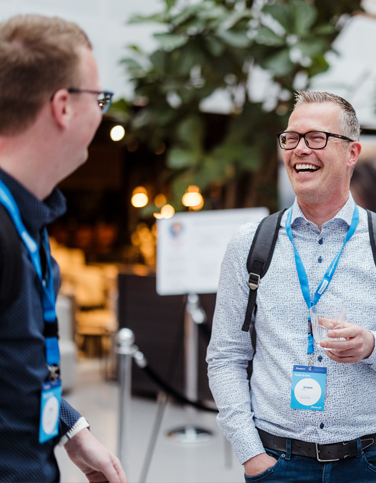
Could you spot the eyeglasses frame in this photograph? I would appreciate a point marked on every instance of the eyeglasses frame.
(328, 134)
(73, 90)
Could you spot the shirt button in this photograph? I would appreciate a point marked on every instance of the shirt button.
(321, 241)
(319, 358)
(322, 426)
(319, 259)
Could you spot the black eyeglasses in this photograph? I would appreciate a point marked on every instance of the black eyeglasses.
(313, 139)
(104, 98)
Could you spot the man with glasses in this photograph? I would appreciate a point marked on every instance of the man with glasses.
(309, 414)
(51, 104)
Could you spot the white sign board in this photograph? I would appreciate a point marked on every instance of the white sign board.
(191, 247)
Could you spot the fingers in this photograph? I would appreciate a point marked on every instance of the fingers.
(359, 344)
(342, 360)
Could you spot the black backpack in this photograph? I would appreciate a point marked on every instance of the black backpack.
(261, 253)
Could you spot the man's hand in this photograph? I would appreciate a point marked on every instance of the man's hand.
(258, 464)
(93, 459)
(359, 344)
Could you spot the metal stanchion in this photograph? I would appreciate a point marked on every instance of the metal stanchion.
(125, 350)
(194, 315)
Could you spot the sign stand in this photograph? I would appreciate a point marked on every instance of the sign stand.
(194, 315)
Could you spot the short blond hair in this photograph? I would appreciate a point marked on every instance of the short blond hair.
(349, 121)
(38, 56)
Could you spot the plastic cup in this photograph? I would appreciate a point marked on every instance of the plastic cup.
(325, 319)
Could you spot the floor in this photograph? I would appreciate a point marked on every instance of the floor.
(212, 461)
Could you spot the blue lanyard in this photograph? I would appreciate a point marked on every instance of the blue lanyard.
(48, 296)
(302, 274)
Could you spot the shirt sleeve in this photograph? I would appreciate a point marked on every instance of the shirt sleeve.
(371, 360)
(68, 417)
(230, 349)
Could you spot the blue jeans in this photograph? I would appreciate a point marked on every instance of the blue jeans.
(290, 468)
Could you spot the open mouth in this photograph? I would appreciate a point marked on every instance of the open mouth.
(306, 168)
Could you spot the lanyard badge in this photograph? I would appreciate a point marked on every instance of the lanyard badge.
(51, 390)
(309, 382)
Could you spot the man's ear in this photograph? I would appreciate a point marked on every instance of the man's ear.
(354, 153)
(61, 108)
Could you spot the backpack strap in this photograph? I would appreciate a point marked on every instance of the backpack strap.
(10, 260)
(372, 231)
(259, 258)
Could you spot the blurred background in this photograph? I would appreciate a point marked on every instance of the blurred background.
(201, 89)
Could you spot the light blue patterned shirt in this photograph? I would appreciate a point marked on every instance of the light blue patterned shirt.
(281, 323)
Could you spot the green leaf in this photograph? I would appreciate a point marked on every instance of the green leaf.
(136, 48)
(318, 66)
(191, 132)
(327, 29)
(182, 17)
(214, 46)
(266, 36)
(279, 64)
(156, 17)
(186, 58)
(170, 4)
(209, 169)
(233, 18)
(282, 13)
(305, 14)
(313, 47)
(133, 67)
(170, 42)
(235, 39)
(210, 13)
(178, 158)
(159, 60)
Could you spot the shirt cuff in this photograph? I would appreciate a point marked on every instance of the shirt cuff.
(371, 360)
(76, 428)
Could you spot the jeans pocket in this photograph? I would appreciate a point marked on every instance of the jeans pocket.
(369, 457)
(269, 471)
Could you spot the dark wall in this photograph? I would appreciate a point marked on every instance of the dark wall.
(158, 324)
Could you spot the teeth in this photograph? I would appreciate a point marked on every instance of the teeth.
(299, 167)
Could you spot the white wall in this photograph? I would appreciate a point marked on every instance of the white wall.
(352, 73)
(105, 23)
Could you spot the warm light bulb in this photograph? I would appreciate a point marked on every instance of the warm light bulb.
(192, 199)
(139, 200)
(117, 133)
(167, 211)
(139, 197)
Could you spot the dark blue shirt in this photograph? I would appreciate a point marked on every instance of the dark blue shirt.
(22, 356)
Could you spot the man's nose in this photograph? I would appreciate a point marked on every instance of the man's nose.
(302, 147)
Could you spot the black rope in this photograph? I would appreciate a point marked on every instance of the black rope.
(173, 392)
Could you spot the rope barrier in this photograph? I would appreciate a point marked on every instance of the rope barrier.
(142, 362)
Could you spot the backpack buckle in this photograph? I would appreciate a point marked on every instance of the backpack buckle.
(253, 281)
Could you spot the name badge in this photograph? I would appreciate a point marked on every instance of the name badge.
(50, 410)
(308, 388)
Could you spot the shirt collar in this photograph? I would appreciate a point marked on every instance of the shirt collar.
(345, 213)
(35, 214)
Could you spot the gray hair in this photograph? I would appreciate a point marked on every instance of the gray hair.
(349, 121)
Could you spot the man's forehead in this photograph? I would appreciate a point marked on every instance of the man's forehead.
(315, 116)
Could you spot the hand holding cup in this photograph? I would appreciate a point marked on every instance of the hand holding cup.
(326, 319)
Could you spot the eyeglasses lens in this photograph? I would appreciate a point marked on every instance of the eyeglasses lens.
(104, 101)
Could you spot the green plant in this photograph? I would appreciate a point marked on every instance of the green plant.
(216, 45)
